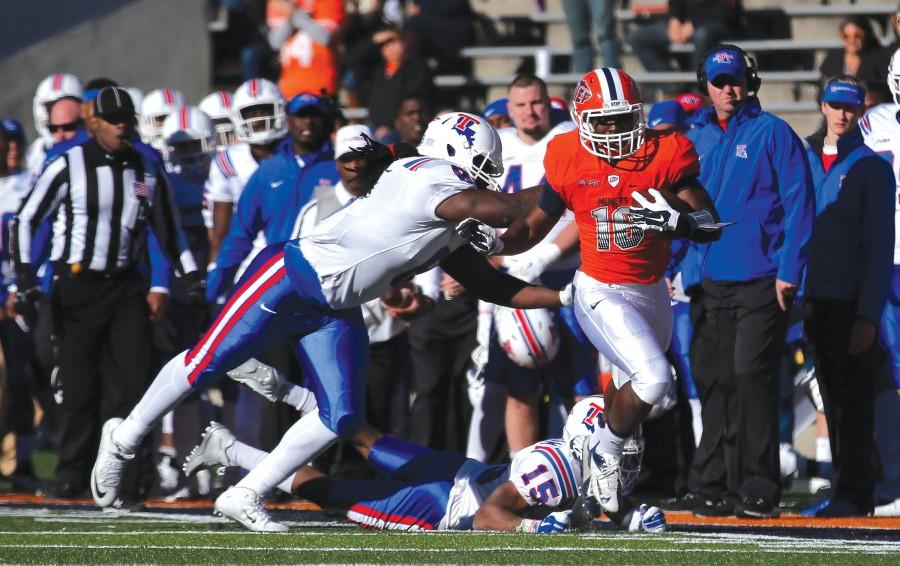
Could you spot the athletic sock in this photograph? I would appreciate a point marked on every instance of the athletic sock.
(301, 443)
(298, 397)
(248, 457)
(168, 388)
(605, 440)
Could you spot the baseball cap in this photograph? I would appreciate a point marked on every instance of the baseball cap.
(496, 108)
(724, 61)
(114, 105)
(307, 100)
(349, 138)
(13, 128)
(666, 112)
(689, 102)
(94, 86)
(844, 92)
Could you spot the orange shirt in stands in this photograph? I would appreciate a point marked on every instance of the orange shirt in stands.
(307, 66)
(598, 191)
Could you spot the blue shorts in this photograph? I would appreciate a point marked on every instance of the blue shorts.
(279, 298)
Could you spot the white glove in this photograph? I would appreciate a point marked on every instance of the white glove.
(553, 523)
(567, 295)
(480, 236)
(657, 215)
(534, 262)
(475, 374)
(645, 519)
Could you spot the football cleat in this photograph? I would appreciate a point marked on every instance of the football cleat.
(604, 484)
(260, 377)
(212, 450)
(245, 506)
(107, 473)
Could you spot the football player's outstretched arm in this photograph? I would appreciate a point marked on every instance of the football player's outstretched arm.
(495, 209)
(525, 233)
(501, 511)
(475, 273)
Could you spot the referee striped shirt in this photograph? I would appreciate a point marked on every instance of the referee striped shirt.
(103, 203)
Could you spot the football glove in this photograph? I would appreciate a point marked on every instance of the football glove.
(480, 236)
(27, 293)
(645, 519)
(658, 215)
(553, 523)
(534, 262)
(567, 295)
(196, 287)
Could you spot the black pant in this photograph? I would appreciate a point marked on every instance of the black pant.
(103, 332)
(441, 343)
(847, 384)
(739, 332)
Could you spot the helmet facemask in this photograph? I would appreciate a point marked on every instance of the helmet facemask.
(261, 127)
(893, 76)
(483, 169)
(617, 145)
(191, 157)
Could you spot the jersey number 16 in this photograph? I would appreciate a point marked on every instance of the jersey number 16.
(617, 228)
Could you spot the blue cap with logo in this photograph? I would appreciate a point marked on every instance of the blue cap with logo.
(307, 100)
(666, 112)
(724, 61)
(844, 93)
(497, 107)
(13, 127)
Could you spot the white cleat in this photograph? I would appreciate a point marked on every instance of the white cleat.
(211, 451)
(260, 377)
(107, 473)
(891, 509)
(245, 506)
(605, 480)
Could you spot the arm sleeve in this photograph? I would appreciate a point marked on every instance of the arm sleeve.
(878, 189)
(160, 267)
(551, 202)
(684, 164)
(48, 191)
(166, 223)
(791, 168)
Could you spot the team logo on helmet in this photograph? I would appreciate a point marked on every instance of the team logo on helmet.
(582, 93)
(463, 127)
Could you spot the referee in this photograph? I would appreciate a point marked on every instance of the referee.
(107, 200)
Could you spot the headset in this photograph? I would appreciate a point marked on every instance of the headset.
(752, 74)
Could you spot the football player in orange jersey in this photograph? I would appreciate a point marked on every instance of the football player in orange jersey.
(632, 190)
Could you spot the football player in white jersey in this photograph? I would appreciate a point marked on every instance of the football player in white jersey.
(422, 211)
(556, 258)
(51, 89)
(217, 105)
(881, 129)
(257, 113)
(155, 108)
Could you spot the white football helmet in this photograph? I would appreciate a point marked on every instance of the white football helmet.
(156, 107)
(602, 93)
(217, 106)
(190, 137)
(529, 337)
(583, 420)
(137, 97)
(257, 110)
(468, 141)
(51, 89)
(893, 75)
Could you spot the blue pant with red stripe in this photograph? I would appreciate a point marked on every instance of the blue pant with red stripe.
(274, 301)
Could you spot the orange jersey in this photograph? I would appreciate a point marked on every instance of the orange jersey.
(613, 250)
(307, 66)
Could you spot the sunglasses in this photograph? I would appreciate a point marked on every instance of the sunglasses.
(117, 119)
(70, 127)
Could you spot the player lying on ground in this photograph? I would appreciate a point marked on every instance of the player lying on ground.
(309, 290)
(632, 191)
(428, 489)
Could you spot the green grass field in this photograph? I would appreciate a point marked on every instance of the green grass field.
(40, 536)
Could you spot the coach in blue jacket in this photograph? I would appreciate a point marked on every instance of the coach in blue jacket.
(755, 168)
(848, 280)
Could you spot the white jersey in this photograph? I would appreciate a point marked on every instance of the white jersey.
(228, 175)
(523, 167)
(390, 235)
(13, 189)
(881, 129)
(473, 484)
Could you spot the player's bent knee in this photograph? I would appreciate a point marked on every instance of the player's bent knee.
(652, 384)
(346, 426)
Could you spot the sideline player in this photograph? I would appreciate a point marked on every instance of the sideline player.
(312, 288)
(438, 490)
(606, 172)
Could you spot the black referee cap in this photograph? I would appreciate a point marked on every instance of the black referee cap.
(114, 105)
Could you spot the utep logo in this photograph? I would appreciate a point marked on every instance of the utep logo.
(723, 57)
(613, 180)
(741, 151)
(582, 93)
(463, 127)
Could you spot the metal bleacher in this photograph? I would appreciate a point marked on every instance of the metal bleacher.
(788, 65)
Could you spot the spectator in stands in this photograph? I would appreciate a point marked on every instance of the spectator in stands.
(412, 119)
(359, 53)
(439, 28)
(15, 135)
(845, 299)
(304, 32)
(402, 73)
(580, 15)
(859, 42)
(497, 113)
(754, 167)
(701, 22)
(874, 66)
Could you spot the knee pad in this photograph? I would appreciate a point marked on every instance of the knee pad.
(651, 384)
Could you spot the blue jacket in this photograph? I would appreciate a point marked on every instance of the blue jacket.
(758, 177)
(852, 249)
(270, 203)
